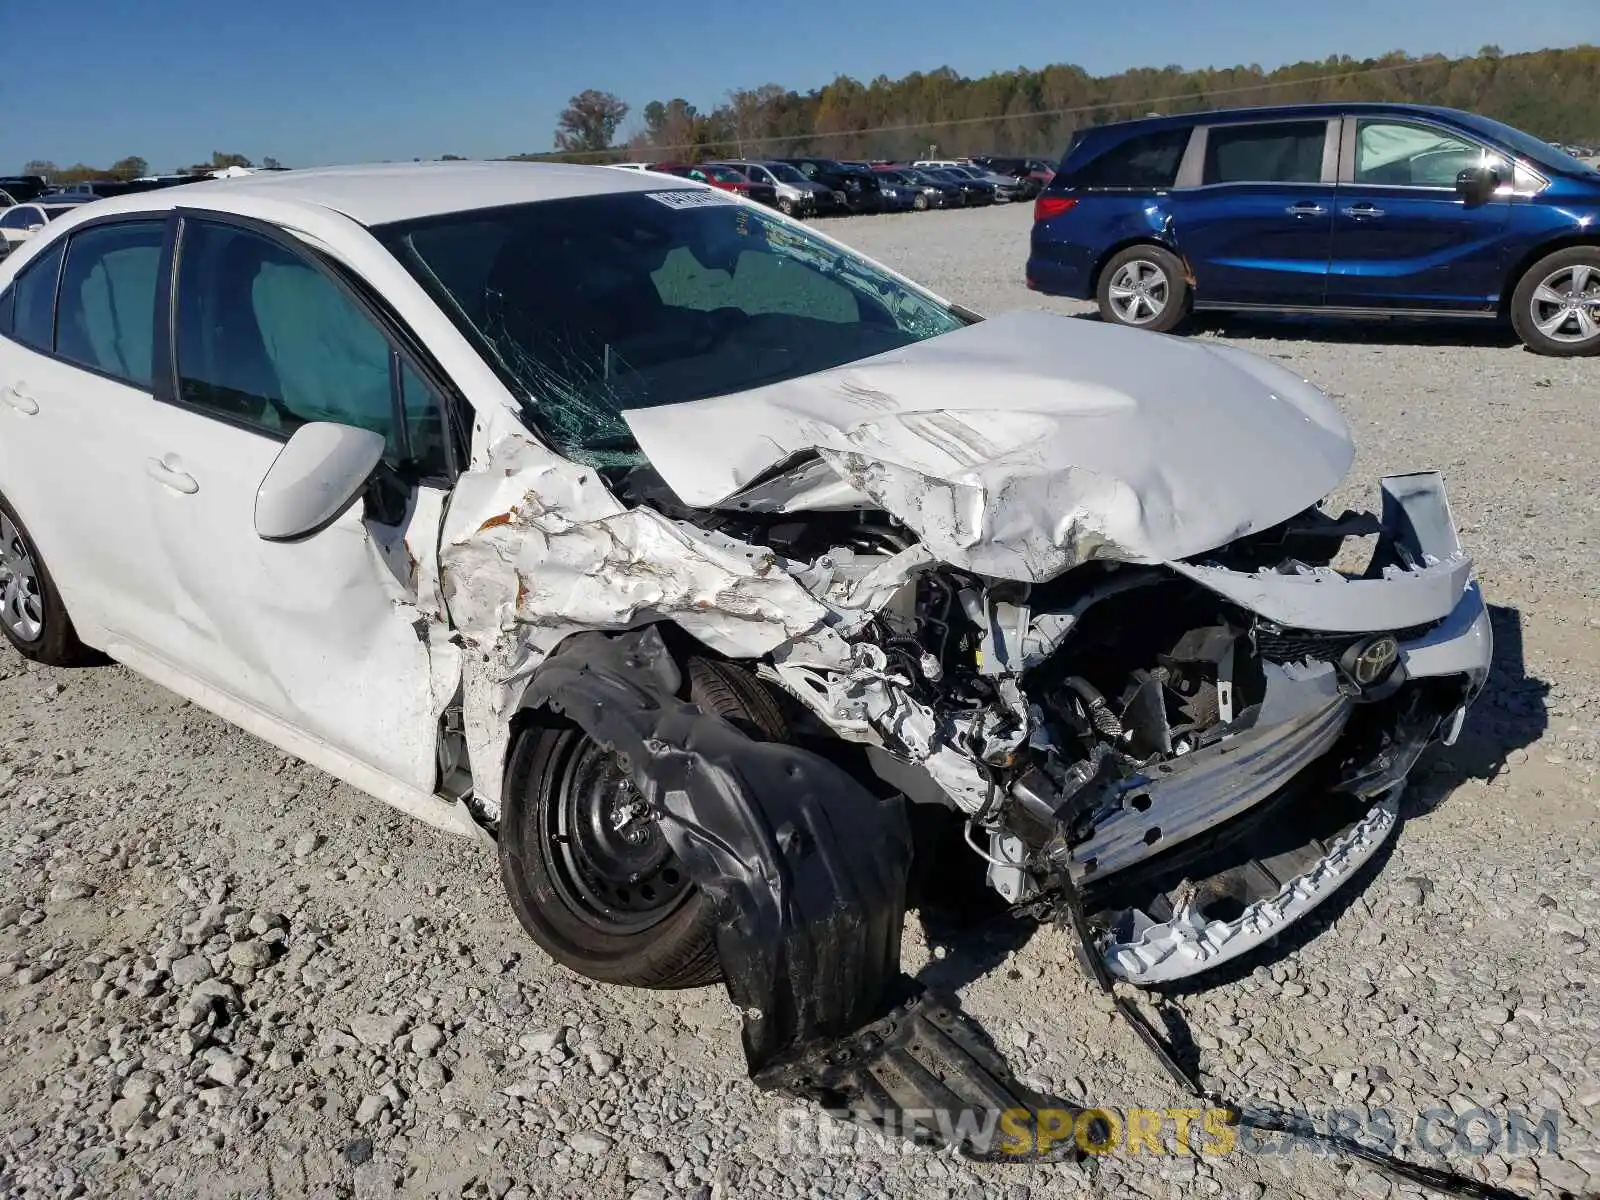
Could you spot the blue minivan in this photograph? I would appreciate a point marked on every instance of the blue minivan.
(1338, 209)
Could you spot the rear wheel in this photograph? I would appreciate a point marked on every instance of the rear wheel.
(32, 616)
(1144, 287)
(1556, 307)
(588, 871)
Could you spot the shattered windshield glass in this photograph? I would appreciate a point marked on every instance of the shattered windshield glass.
(595, 305)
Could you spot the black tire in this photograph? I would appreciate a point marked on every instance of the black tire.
(921, 202)
(786, 206)
(644, 925)
(56, 643)
(1162, 276)
(1557, 275)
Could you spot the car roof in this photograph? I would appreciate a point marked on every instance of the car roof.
(386, 192)
(1282, 111)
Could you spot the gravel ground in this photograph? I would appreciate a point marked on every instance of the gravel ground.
(221, 972)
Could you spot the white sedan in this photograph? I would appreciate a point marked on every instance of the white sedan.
(576, 507)
(22, 221)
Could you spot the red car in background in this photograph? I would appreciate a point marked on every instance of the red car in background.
(728, 179)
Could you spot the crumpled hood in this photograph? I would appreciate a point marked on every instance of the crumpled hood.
(1024, 445)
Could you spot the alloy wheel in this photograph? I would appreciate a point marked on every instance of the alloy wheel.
(1565, 307)
(21, 601)
(1139, 292)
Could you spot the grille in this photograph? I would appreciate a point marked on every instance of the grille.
(1296, 645)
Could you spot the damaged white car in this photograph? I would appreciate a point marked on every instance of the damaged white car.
(687, 553)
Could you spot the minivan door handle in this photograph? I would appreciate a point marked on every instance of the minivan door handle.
(1363, 210)
(1308, 208)
(21, 401)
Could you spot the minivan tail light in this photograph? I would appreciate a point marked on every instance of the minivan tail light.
(1046, 207)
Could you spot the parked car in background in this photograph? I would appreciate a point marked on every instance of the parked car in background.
(1007, 188)
(724, 178)
(630, 166)
(1362, 210)
(797, 195)
(973, 191)
(1033, 173)
(859, 188)
(21, 222)
(940, 162)
(925, 193)
(22, 188)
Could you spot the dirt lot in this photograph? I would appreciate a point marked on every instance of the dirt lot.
(221, 972)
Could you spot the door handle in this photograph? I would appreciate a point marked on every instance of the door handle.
(168, 477)
(1363, 210)
(21, 401)
(1305, 210)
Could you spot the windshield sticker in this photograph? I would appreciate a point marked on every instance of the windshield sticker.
(691, 199)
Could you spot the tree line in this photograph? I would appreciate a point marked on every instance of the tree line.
(1550, 93)
(133, 167)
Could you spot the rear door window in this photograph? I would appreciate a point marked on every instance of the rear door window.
(1148, 160)
(34, 322)
(1275, 152)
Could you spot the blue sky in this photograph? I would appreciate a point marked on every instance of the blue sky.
(321, 81)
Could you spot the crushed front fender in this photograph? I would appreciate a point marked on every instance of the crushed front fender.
(807, 871)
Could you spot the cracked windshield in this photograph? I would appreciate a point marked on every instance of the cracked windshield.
(595, 305)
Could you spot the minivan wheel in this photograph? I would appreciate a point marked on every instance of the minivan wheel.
(786, 206)
(588, 871)
(32, 616)
(1556, 307)
(1144, 287)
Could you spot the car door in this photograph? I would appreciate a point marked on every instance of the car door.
(76, 378)
(334, 638)
(1252, 211)
(1403, 237)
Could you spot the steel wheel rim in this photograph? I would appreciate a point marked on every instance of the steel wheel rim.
(1139, 292)
(1565, 307)
(21, 599)
(609, 862)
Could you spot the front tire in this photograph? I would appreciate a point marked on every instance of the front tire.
(1144, 287)
(32, 616)
(589, 873)
(920, 203)
(1556, 307)
(786, 206)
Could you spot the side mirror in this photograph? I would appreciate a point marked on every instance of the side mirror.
(319, 471)
(1476, 184)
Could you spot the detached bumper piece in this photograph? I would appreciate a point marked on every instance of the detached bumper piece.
(807, 870)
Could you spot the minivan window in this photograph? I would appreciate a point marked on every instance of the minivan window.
(34, 323)
(1398, 154)
(1148, 160)
(592, 306)
(1274, 152)
(106, 317)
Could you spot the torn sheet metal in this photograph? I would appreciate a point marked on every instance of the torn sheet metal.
(1425, 584)
(807, 870)
(535, 548)
(1026, 444)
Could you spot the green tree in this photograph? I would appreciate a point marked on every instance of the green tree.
(589, 122)
(132, 167)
